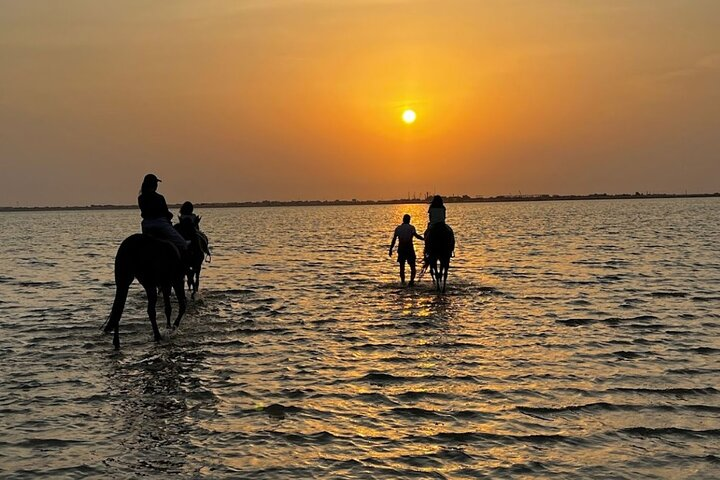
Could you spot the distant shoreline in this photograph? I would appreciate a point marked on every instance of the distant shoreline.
(400, 201)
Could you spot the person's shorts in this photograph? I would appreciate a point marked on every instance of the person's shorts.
(406, 254)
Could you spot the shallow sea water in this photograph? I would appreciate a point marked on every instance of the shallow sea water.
(576, 340)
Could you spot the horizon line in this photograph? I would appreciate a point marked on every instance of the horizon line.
(398, 201)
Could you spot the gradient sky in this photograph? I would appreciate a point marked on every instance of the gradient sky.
(234, 100)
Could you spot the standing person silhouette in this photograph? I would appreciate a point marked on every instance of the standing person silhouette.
(156, 216)
(405, 233)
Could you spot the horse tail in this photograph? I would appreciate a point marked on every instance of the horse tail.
(123, 278)
(121, 293)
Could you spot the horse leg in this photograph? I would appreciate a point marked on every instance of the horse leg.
(151, 291)
(446, 268)
(168, 305)
(197, 277)
(179, 288)
(439, 276)
(122, 285)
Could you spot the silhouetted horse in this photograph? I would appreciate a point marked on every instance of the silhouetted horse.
(196, 252)
(157, 265)
(439, 247)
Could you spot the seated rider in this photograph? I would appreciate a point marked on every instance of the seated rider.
(436, 211)
(436, 215)
(187, 217)
(190, 226)
(156, 216)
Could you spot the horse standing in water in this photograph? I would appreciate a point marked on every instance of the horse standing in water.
(157, 265)
(439, 247)
(190, 230)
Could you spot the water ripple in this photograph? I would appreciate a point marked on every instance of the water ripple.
(576, 340)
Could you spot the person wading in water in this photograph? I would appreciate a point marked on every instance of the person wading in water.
(404, 233)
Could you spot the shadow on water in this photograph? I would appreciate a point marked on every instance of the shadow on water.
(154, 401)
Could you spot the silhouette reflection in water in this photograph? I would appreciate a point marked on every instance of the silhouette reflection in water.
(159, 398)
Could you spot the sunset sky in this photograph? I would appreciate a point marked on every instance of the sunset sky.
(235, 100)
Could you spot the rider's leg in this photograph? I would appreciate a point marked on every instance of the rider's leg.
(165, 231)
(174, 236)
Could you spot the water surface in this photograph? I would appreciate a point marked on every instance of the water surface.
(576, 340)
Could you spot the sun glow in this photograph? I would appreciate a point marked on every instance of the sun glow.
(409, 116)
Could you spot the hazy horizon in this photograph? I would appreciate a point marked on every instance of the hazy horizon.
(232, 101)
(383, 201)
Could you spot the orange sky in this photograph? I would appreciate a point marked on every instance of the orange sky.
(231, 100)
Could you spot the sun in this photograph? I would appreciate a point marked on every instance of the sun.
(409, 116)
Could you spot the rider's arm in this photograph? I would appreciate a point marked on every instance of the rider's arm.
(165, 208)
(141, 204)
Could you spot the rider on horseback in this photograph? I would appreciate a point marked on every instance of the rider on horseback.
(187, 215)
(436, 216)
(436, 211)
(439, 243)
(189, 227)
(156, 215)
